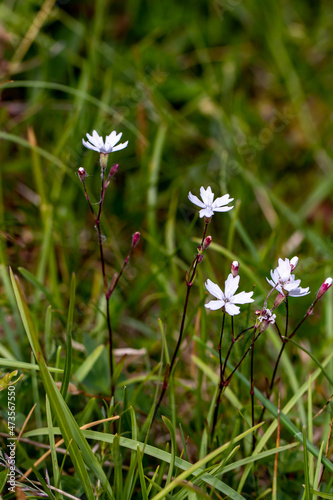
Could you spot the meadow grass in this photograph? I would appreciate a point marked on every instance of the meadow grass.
(234, 94)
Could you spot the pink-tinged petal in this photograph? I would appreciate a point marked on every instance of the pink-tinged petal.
(206, 212)
(223, 200)
(231, 285)
(207, 195)
(89, 146)
(242, 298)
(194, 199)
(214, 289)
(294, 262)
(214, 305)
(231, 309)
(120, 146)
(223, 209)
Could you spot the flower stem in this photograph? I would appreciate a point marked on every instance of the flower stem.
(252, 385)
(284, 343)
(221, 384)
(169, 368)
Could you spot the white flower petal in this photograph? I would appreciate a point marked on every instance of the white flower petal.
(120, 146)
(89, 146)
(214, 289)
(215, 304)
(206, 212)
(284, 269)
(232, 309)
(242, 298)
(299, 292)
(207, 195)
(231, 285)
(223, 200)
(223, 209)
(194, 199)
(98, 139)
(291, 285)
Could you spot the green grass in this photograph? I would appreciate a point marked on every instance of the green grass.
(231, 94)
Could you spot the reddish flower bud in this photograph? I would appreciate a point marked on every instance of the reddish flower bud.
(113, 170)
(279, 299)
(207, 242)
(82, 174)
(200, 257)
(135, 238)
(324, 287)
(234, 268)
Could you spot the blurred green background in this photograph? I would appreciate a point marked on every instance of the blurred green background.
(235, 94)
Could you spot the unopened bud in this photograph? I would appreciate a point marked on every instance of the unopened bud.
(207, 242)
(82, 174)
(200, 257)
(103, 160)
(113, 170)
(279, 299)
(135, 238)
(234, 268)
(293, 262)
(324, 287)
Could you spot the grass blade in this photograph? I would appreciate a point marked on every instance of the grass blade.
(68, 361)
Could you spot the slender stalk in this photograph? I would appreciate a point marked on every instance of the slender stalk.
(221, 384)
(189, 283)
(105, 281)
(227, 380)
(252, 385)
(284, 343)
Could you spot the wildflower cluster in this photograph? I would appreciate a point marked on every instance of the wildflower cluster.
(283, 281)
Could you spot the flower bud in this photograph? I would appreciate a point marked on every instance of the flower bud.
(279, 299)
(293, 262)
(234, 268)
(114, 170)
(324, 287)
(103, 160)
(82, 174)
(200, 257)
(207, 242)
(135, 238)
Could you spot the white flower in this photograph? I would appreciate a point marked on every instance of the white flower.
(284, 281)
(96, 142)
(208, 205)
(228, 299)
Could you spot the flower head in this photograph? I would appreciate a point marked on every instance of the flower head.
(96, 142)
(265, 318)
(324, 287)
(284, 281)
(234, 268)
(227, 299)
(208, 205)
